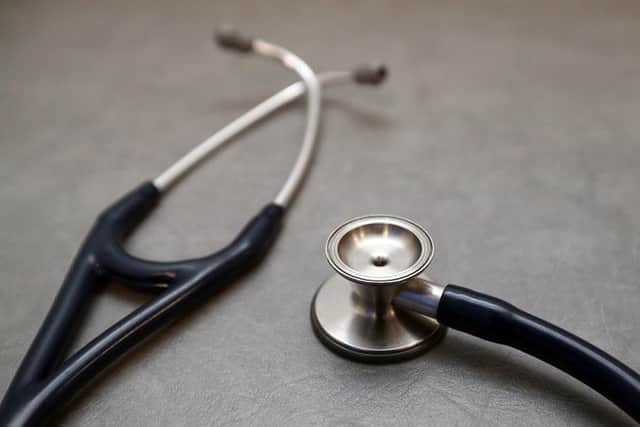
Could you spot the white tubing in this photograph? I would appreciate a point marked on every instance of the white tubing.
(287, 95)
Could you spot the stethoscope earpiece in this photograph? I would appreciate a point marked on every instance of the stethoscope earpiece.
(376, 257)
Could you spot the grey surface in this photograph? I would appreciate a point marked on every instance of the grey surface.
(509, 129)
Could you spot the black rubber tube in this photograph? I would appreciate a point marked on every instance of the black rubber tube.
(498, 321)
(44, 383)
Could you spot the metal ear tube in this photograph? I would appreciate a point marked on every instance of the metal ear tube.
(380, 307)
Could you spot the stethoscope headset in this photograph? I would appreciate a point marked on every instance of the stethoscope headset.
(44, 381)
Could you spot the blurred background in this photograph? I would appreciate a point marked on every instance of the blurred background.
(508, 128)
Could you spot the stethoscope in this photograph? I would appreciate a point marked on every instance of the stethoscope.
(380, 307)
(44, 381)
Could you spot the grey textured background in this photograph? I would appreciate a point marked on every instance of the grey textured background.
(509, 129)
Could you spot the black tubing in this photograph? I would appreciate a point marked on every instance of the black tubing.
(498, 321)
(44, 383)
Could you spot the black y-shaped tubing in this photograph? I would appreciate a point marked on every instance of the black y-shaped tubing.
(41, 384)
(498, 321)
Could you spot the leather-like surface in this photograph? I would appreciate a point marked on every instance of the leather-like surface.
(508, 129)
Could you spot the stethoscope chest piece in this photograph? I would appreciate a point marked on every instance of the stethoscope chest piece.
(353, 313)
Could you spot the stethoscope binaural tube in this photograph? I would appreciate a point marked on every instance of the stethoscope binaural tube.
(380, 307)
(44, 382)
(311, 84)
